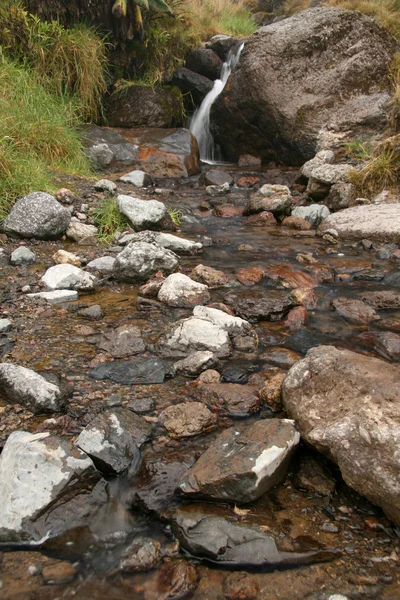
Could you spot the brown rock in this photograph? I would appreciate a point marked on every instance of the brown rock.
(143, 554)
(281, 357)
(209, 276)
(384, 343)
(382, 299)
(306, 297)
(290, 277)
(240, 586)
(323, 274)
(256, 305)
(250, 276)
(391, 324)
(314, 477)
(247, 182)
(230, 399)
(271, 395)
(247, 160)
(262, 218)
(207, 377)
(176, 580)
(228, 210)
(187, 419)
(296, 319)
(354, 310)
(296, 223)
(59, 573)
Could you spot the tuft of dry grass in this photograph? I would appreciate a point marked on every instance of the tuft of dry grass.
(382, 170)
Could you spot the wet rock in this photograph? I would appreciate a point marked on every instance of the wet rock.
(296, 319)
(82, 232)
(209, 276)
(68, 277)
(62, 257)
(247, 182)
(271, 394)
(217, 177)
(187, 419)
(392, 279)
(140, 260)
(269, 305)
(296, 223)
(334, 398)
(204, 61)
(221, 44)
(103, 264)
(195, 363)
(113, 438)
(323, 274)
(240, 586)
(22, 256)
(233, 325)
(137, 178)
(354, 310)
(152, 287)
(56, 297)
(384, 343)
(191, 83)
(108, 149)
(231, 399)
(122, 342)
(59, 573)
(314, 213)
(379, 223)
(290, 111)
(24, 386)
(249, 276)
(218, 190)
(192, 335)
(37, 472)
(105, 185)
(207, 377)
(180, 291)
(37, 215)
(391, 324)
(306, 297)
(281, 357)
(242, 464)
(176, 580)
(228, 543)
(272, 198)
(381, 300)
(314, 477)
(290, 277)
(143, 214)
(142, 554)
(141, 405)
(144, 106)
(228, 211)
(165, 240)
(141, 371)
(264, 218)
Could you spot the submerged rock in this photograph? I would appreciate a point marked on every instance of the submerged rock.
(142, 371)
(113, 439)
(24, 386)
(242, 464)
(354, 310)
(37, 215)
(142, 554)
(346, 405)
(123, 341)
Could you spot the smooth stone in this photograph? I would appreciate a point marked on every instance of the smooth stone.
(379, 223)
(180, 291)
(26, 387)
(22, 256)
(66, 277)
(192, 335)
(142, 371)
(314, 214)
(354, 310)
(57, 296)
(230, 399)
(196, 363)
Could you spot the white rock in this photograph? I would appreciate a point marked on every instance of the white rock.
(57, 296)
(66, 277)
(165, 240)
(30, 389)
(322, 158)
(314, 213)
(137, 178)
(143, 214)
(62, 257)
(104, 264)
(218, 190)
(78, 231)
(140, 260)
(5, 325)
(193, 334)
(105, 185)
(232, 325)
(181, 291)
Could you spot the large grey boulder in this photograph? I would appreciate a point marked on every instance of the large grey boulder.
(30, 389)
(181, 291)
(380, 223)
(113, 439)
(68, 277)
(38, 473)
(165, 240)
(140, 260)
(243, 463)
(347, 405)
(304, 81)
(108, 149)
(37, 215)
(143, 214)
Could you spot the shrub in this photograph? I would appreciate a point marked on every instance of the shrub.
(382, 171)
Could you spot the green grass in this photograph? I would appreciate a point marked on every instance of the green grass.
(381, 171)
(37, 134)
(109, 220)
(359, 149)
(176, 216)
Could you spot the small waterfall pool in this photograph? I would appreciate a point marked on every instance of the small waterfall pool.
(200, 122)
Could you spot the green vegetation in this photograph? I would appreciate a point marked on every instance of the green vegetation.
(381, 171)
(176, 216)
(358, 149)
(109, 220)
(386, 12)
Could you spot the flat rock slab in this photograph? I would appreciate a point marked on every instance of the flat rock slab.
(347, 406)
(377, 222)
(165, 240)
(227, 543)
(254, 305)
(142, 371)
(113, 439)
(122, 342)
(354, 310)
(242, 464)
(56, 297)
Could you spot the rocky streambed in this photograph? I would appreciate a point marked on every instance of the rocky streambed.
(210, 412)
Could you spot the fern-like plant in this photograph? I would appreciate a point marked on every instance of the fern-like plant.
(120, 9)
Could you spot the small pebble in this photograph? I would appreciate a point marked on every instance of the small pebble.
(5, 325)
(329, 528)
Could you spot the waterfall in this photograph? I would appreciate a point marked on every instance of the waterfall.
(200, 122)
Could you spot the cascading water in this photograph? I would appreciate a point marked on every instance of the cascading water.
(200, 122)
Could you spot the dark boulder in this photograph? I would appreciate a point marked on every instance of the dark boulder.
(192, 83)
(205, 62)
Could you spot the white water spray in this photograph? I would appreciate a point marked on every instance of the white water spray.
(200, 122)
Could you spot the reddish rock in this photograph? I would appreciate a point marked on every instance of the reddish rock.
(290, 277)
(271, 395)
(247, 160)
(209, 276)
(240, 586)
(296, 223)
(247, 182)
(263, 218)
(349, 266)
(207, 377)
(306, 297)
(151, 288)
(245, 248)
(296, 319)
(382, 299)
(230, 399)
(249, 276)
(323, 273)
(228, 210)
(281, 357)
(176, 579)
(354, 310)
(306, 259)
(391, 324)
